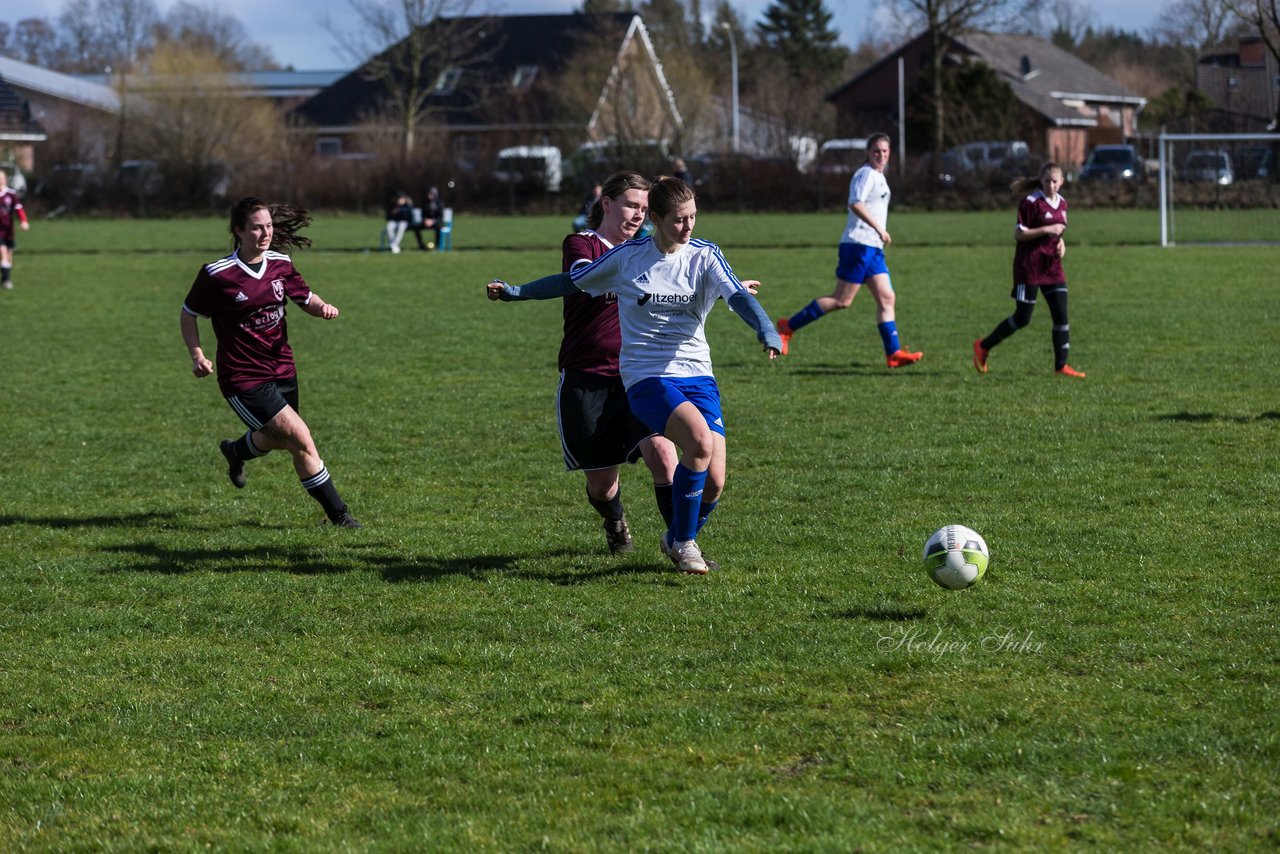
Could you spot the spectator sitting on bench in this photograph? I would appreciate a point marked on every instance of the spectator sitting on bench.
(431, 215)
(399, 215)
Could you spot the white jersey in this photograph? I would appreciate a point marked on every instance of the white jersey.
(869, 187)
(663, 302)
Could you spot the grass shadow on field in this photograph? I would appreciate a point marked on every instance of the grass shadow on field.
(294, 559)
(1204, 417)
(304, 559)
(126, 520)
(884, 614)
(516, 566)
(662, 572)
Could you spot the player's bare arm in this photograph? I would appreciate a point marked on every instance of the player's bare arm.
(200, 364)
(317, 307)
(860, 211)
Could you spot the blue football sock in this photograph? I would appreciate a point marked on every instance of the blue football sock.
(805, 316)
(686, 488)
(889, 336)
(704, 511)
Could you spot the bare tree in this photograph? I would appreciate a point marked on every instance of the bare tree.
(83, 45)
(1063, 22)
(1195, 23)
(35, 41)
(1262, 17)
(202, 135)
(126, 27)
(407, 45)
(942, 21)
(210, 30)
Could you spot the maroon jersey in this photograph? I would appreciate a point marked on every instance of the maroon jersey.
(592, 336)
(1036, 262)
(10, 212)
(247, 311)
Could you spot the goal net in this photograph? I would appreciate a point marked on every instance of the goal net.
(1219, 188)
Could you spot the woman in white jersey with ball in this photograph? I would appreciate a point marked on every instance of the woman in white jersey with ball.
(666, 285)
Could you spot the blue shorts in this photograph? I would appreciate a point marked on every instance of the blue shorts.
(859, 262)
(655, 398)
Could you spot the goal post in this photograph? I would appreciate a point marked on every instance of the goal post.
(1219, 188)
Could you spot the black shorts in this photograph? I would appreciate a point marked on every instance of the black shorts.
(261, 403)
(597, 429)
(1028, 293)
(8, 242)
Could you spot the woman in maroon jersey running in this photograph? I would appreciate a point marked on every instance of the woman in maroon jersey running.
(244, 296)
(1037, 267)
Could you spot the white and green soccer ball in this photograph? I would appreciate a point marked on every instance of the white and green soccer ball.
(956, 557)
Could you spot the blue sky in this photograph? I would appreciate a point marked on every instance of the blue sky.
(292, 29)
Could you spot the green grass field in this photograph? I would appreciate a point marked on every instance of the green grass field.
(184, 665)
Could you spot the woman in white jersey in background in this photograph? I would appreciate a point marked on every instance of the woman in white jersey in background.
(666, 285)
(862, 258)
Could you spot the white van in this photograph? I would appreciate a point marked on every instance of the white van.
(532, 164)
(842, 156)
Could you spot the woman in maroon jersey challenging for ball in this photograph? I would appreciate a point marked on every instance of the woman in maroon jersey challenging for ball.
(244, 296)
(1037, 267)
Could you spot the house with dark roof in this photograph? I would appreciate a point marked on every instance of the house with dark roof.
(512, 80)
(1071, 105)
(37, 104)
(1242, 80)
(19, 132)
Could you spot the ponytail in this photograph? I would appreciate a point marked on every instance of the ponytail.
(286, 221)
(1027, 183)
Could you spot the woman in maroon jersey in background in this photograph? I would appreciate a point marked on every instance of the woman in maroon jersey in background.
(244, 296)
(11, 215)
(1037, 267)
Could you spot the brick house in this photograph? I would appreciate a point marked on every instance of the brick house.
(1243, 81)
(1071, 105)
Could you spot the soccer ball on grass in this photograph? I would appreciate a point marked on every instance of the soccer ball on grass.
(955, 557)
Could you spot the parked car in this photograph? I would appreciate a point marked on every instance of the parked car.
(531, 165)
(990, 161)
(66, 185)
(1114, 163)
(594, 160)
(1214, 166)
(726, 177)
(1255, 162)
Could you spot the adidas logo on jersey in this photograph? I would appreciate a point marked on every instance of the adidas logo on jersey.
(240, 297)
(642, 279)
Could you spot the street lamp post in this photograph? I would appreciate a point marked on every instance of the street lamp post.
(733, 59)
